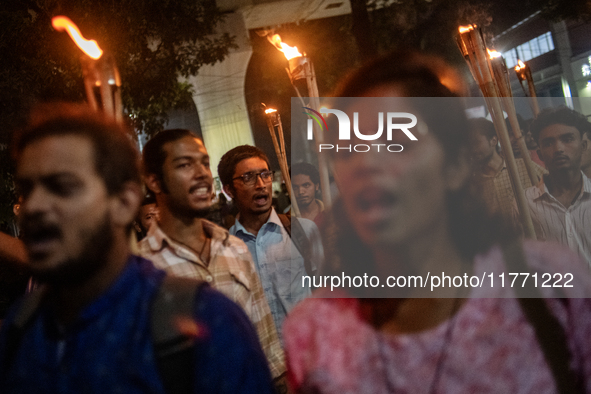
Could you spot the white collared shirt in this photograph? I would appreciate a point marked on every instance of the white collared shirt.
(553, 222)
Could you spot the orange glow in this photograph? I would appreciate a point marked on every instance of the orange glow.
(270, 111)
(493, 54)
(520, 65)
(288, 51)
(465, 29)
(90, 47)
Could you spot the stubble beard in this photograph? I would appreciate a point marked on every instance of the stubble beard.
(74, 271)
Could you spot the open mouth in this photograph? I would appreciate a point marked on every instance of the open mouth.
(372, 199)
(40, 240)
(200, 191)
(374, 205)
(261, 199)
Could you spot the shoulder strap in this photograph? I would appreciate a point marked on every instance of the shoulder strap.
(299, 239)
(173, 347)
(549, 332)
(19, 325)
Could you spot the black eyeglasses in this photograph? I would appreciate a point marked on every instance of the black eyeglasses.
(250, 178)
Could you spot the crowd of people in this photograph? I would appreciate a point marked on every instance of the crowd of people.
(209, 301)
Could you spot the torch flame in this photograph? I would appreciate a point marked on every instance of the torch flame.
(520, 65)
(270, 110)
(465, 29)
(493, 54)
(90, 47)
(289, 52)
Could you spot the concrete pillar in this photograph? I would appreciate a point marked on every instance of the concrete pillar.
(219, 96)
(564, 52)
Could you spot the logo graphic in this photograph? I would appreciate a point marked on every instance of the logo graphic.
(345, 129)
(317, 118)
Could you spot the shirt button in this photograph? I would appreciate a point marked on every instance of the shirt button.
(209, 278)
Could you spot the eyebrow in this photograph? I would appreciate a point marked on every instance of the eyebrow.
(189, 158)
(256, 170)
(55, 175)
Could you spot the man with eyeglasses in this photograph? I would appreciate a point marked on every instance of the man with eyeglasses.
(182, 242)
(244, 172)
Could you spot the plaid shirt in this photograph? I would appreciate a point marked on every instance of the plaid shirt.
(497, 190)
(230, 270)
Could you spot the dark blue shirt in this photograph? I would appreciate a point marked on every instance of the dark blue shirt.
(109, 349)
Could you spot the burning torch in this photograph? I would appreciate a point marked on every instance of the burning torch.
(300, 68)
(524, 74)
(471, 44)
(501, 77)
(99, 71)
(274, 121)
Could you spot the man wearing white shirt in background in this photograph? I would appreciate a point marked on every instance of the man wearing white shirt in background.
(561, 204)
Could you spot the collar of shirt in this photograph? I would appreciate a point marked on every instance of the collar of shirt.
(272, 221)
(503, 167)
(222, 247)
(541, 189)
(158, 240)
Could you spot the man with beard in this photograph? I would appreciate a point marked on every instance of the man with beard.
(490, 172)
(183, 243)
(305, 181)
(244, 172)
(89, 328)
(560, 206)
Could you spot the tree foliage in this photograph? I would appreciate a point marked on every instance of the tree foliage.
(153, 43)
(555, 10)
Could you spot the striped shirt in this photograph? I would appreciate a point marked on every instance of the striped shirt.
(497, 191)
(553, 222)
(230, 271)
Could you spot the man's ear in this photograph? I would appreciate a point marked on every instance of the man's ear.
(125, 204)
(228, 191)
(153, 183)
(584, 143)
(494, 141)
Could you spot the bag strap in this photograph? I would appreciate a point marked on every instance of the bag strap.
(173, 348)
(299, 239)
(22, 320)
(549, 332)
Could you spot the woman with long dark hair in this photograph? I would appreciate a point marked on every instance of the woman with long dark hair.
(408, 212)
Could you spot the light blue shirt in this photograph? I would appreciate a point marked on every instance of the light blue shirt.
(279, 263)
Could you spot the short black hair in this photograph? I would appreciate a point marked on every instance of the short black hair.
(482, 126)
(115, 156)
(560, 115)
(304, 168)
(154, 154)
(231, 158)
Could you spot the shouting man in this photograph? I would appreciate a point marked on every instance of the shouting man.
(89, 328)
(182, 242)
(245, 174)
